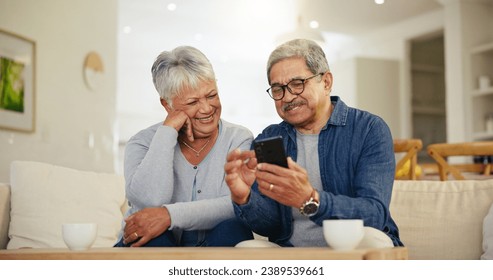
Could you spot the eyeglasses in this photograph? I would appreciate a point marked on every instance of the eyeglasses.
(296, 87)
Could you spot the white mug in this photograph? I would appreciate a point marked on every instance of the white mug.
(343, 234)
(79, 236)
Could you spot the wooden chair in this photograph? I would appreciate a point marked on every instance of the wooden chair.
(411, 147)
(441, 151)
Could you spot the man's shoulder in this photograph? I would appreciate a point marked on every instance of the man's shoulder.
(276, 129)
(361, 115)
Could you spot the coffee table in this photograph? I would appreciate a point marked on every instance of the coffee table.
(205, 253)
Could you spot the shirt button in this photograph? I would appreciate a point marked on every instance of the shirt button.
(199, 191)
(195, 167)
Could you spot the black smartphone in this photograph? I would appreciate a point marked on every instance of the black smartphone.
(270, 150)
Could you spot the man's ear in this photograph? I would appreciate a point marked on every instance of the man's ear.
(327, 77)
(166, 105)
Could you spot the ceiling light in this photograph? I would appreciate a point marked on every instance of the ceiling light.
(302, 31)
(379, 2)
(171, 7)
(314, 24)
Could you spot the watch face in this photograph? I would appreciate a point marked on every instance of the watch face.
(310, 208)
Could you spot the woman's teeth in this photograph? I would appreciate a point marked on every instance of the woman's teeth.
(204, 119)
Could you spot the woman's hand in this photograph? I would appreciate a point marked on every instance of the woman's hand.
(240, 174)
(145, 225)
(181, 122)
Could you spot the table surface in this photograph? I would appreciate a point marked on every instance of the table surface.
(205, 253)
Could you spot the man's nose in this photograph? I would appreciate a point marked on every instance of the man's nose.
(288, 96)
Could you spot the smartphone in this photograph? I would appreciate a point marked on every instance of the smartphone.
(271, 150)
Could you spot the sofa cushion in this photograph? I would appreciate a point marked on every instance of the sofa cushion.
(488, 236)
(441, 220)
(44, 196)
(4, 214)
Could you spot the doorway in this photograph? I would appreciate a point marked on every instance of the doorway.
(428, 91)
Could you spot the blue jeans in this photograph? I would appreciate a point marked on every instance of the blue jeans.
(226, 234)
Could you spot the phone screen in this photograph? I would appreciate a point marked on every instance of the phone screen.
(271, 150)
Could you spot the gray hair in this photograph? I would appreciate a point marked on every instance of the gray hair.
(181, 67)
(310, 51)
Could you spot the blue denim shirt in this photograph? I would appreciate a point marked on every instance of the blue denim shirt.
(357, 167)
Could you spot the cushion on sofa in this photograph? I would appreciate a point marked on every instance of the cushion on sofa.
(44, 196)
(488, 236)
(4, 214)
(441, 220)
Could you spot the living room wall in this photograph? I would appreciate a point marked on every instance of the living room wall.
(465, 23)
(382, 46)
(74, 125)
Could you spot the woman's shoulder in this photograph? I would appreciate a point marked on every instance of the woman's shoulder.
(146, 133)
(234, 129)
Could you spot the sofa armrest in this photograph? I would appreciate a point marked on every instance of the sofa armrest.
(4, 214)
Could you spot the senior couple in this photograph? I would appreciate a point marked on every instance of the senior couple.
(193, 180)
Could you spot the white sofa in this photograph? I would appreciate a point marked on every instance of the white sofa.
(41, 197)
(437, 220)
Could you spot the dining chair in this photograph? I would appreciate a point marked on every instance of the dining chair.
(440, 152)
(410, 147)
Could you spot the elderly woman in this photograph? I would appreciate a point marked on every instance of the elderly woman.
(174, 170)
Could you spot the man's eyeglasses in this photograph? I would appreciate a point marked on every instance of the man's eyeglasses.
(296, 87)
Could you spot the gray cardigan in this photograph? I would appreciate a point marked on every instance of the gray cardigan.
(157, 174)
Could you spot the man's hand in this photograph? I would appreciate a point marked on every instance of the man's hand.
(288, 186)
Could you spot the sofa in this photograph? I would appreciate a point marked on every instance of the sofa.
(437, 220)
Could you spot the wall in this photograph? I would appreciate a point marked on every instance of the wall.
(378, 85)
(73, 125)
(236, 36)
(468, 24)
(389, 43)
(370, 84)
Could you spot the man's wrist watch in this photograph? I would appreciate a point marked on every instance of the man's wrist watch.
(310, 207)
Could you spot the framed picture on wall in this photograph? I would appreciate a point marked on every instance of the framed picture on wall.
(17, 73)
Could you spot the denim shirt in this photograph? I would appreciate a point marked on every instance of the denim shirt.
(357, 166)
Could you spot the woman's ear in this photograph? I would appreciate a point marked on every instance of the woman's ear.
(166, 105)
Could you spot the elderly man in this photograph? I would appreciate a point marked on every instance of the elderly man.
(340, 159)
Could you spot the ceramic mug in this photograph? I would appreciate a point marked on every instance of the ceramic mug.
(343, 234)
(79, 236)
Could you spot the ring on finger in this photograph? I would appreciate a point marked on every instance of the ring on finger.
(271, 186)
(136, 235)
